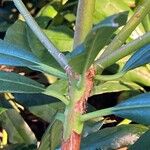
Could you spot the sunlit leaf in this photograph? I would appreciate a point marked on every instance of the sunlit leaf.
(142, 143)
(113, 138)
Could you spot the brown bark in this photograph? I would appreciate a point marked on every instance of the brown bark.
(73, 143)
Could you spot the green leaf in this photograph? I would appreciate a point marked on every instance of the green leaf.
(139, 58)
(12, 82)
(36, 103)
(113, 138)
(17, 128)
(21, 147)
(60, 86)
(15, 56)
(136, 108)
(142, 143)
(52, 136)
(140, 75)
(16, 34)
(115, 86)
(83, 56)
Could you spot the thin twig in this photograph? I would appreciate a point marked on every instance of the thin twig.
(60, 58)
(84, 21)
(123, 51)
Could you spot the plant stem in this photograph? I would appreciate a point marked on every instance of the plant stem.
(84, 21)
(109, 111)
(109, 77)
(96, 114)
(60, 58)
(146, 23)
(141, 11)
(123, 51)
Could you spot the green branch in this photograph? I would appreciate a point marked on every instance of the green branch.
(60, 58)
(141, 11)
(146, 23)
(109, 111)
(123, 51)
(96, 114)
(84, 21)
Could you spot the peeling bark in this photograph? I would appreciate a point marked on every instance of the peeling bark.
(73, 143)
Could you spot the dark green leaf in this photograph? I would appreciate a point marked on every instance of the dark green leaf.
(139, 58)
(113, 138)
(83, 56)
(17, 128)
(21, 147)
(15, 56)
(142, 143)
(61, 38)
(16, 34)
(52, 136)
(36, 103)
(136, 108)
(11, 82)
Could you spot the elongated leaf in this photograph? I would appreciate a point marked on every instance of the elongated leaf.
(52, 136)
(142, 143)
(84, 55)
(115, 86)
(139, 58)
(17, 128)
(21, 147)
(113, 138)
(136, 108)
(36, 103)
(11, 82)
(15, 56)
(11, 50)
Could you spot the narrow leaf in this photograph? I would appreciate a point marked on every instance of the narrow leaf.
(36, 103)
(139, 58)
(15, 56)
(12, 82)
(136, 108)
(52, 136)
(113, 138)
(17, 128)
